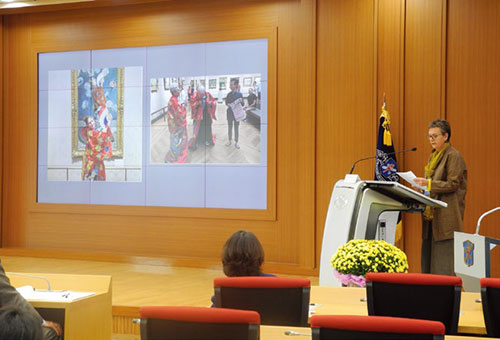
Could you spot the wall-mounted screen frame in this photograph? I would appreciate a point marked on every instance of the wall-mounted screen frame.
(244, 183)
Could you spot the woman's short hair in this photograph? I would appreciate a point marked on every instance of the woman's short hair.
(242, 255)
(19, 324)
(443, 125)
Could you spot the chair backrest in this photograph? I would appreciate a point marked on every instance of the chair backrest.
(374, 327)
(490, 297)
(196, 323)
(279, 301)
(417, 296)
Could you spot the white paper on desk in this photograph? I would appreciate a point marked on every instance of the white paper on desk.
(312, 308)
(25, 291)
(29, 293)
(409, 176)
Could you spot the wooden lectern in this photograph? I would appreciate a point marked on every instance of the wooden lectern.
(85, 318)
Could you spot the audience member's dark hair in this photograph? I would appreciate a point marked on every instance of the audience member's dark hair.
(18, 324)
(242, 255)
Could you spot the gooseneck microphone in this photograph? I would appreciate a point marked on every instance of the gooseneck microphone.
(389, 153)
(33, 277)
(483, 216)
(290, 332)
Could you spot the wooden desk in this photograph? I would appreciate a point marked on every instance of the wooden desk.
(347, 301)
(86, 318)
(278, 332)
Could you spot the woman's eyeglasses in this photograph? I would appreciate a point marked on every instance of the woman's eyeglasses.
(433, 137)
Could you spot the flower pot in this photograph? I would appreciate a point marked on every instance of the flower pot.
(350, 280)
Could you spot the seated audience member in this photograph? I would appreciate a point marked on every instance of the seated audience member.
(251, 100)
(242, 255)
(10, 297)
(19, 324)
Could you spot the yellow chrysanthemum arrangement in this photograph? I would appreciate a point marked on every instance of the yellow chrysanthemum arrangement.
(355, 258)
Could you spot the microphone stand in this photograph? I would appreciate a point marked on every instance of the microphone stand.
(483, 216)
(359, 160)
(390, 153)
(34, 277)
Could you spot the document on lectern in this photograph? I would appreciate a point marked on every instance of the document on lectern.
(30, 293)
(409, 176)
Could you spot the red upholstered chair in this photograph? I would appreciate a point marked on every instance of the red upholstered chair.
(197, 323)
(417, 296)
(373, 327)
(490, 297)
(279, 301)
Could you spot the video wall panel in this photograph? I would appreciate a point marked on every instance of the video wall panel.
(175, 126)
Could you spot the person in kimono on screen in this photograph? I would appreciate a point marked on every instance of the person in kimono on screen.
(99, 97)
(203, 114)
(97, 136)
(98, 147)
(176, 119)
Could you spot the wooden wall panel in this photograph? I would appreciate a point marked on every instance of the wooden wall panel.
(423, 98)
(1, 118)
(390, 72)
(473, 107)
(334, 59)
(434, 59)
(390, 67)
(346, 103)
(296, 129)
(287, 236)
(17, 139)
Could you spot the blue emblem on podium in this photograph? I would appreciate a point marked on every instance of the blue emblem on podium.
(468, 253)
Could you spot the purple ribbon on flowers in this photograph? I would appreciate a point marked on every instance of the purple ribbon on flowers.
(345, 279)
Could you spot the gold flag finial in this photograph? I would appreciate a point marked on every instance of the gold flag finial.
(385, 123)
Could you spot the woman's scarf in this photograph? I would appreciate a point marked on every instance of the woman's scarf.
(429, 171)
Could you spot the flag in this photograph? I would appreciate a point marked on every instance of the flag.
(386, 166)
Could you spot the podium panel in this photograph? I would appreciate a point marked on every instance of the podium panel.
(85, 318)
(472, 258)
(356, 211)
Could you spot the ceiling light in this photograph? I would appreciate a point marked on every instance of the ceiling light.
(16, 5)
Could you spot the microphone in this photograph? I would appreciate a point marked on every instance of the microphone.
(290, 332)
(484, 215)
(34, 277)
(390, 153)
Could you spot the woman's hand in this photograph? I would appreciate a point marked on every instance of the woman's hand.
(54, 326)
(421, 181)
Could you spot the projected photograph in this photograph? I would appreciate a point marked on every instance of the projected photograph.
(97, 107)
(163, 126)
(218, 124)
(102, 149)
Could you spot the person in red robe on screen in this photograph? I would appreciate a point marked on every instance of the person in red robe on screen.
(98, 148)
(176, 119)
